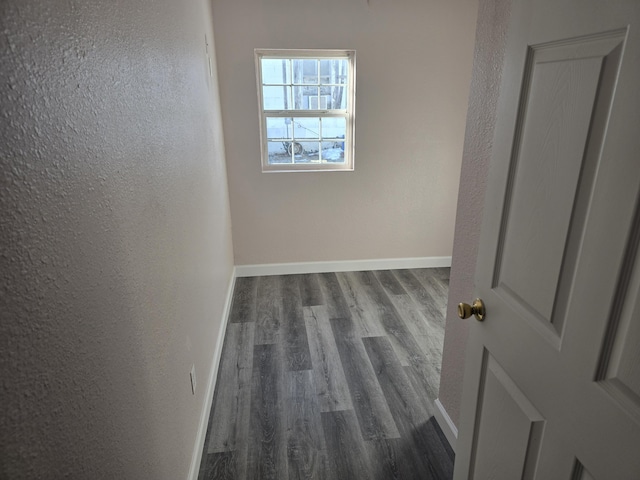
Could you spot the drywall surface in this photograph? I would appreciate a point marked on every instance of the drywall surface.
(414, 61)
(115, 237)
(491, 32)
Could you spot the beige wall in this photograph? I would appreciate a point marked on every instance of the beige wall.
(115, 236)
(413, 70)
(491, 32)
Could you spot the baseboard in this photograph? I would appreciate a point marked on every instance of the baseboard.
(446, 424)
(340, 266)
(196, 457)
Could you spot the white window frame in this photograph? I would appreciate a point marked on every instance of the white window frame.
(348, 114)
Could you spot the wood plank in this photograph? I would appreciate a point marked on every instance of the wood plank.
(243, 308)
(364, 312)
(428, 336)
(442, 273)
(231, 403)
(410, 412)
(404, 344)
(424, 384)
(368, 400)
(219, 466)
(330, 382)
(267, 457)
(348, 457)
(436, 451)
(428, 305)
(438, 289)
(443, 439)
(432, 346)
(333, 296)
(305, 443)
(412, 316)
(268, 310)
(310, 292)
(296, 344)
(407, 408)
(388, 280)
(394, 459)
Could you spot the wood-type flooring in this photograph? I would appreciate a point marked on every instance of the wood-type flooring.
(331, 376)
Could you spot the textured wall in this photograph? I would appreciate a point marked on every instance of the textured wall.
(414, 62)
(115, 236)
(491, 32)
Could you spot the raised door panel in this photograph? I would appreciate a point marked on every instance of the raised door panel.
(509, 428)
(566, 92)
(619, 368)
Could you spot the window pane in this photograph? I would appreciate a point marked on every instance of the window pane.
(335, 128)
(279, 128)
(325, 70)
(305, 71)
(306, 152)
(337, 95)
(333, 71)
(276, 98)
(306, 128)
(320, 103)
(301, 97)
(332, 152)
(276, 70)
(277, 152)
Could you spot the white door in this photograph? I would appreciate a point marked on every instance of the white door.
(552, 376)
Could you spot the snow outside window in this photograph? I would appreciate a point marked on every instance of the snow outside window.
(307, 106)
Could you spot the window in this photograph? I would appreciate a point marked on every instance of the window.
(307, 100)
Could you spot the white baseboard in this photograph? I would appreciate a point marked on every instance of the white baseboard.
(196, 457)
(446, 424)
(340, 266)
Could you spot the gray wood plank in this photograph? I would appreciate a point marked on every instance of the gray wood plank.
(305, 442)
(267, 457)
(432, 346)
(388, 280)
(435, 449)
(371, 408)
(220, 466)
(296, 344)
(310, 292)
(423, 383)
(330, 382)
(425, 300)
(268, 310)
(333, 296)
(434, 284)
(428, 336)
(243, 308)
(412, 316)
(395, 459)
(442, 273)
(409, 411)
(364, 312)
(406, 407)
(404, 344)
(348, 457)
(231, 403)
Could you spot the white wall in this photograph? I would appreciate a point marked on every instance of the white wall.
(115, 237)
(491, 32)
(413, 70)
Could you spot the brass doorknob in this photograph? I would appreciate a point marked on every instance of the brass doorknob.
(465, 310)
